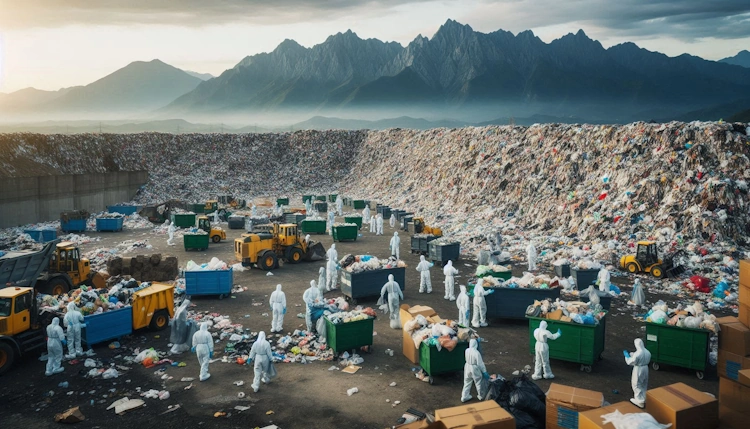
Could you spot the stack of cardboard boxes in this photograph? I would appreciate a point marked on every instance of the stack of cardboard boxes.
(564, 403)
(407, 313)
(480, 415)
(734, 360)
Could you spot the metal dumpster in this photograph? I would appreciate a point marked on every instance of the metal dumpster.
(562, 271)
(345, 233)
(511, 303)
(358, 204)
(73, 225)
(405, 221)
(308, 226)
(348, 336)
(236, 222)
(198, 208)
(183, 220)
(683, 347)
(579, 343)
(306, 198)
(396, 212)
(332, 198)
(354, 219)
(217, 282)
(369, 283)
(403, 213)
(107, 326)
(505, 275)
(584, 278)
(295, 218)
(419, 243)
(320, 197)
(109, 224)
(41, 235)
(123, 210)
(435, 362)
(321, 207)
(284, 201)
(195, 241)
(385, 211)
(443, 252)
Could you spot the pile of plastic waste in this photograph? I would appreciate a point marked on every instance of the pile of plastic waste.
(93, 301)
(576, 311)
(98, 258)
(213, 265)
(351, 316)
(359, 263)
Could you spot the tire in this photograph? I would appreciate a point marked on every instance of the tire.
(699, 374)
(267, 260)
(295, 255)
(216, 238)
(655, 366)
(159, 320)
(657, 271)
(632, 267)
(56, 286)
(7, 356)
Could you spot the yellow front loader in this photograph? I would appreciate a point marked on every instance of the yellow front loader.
(283, 241)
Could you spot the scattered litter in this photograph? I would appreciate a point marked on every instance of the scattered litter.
(351, 369)
(352, 391)
(72, 415)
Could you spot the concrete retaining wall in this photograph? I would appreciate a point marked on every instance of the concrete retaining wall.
(25, 200)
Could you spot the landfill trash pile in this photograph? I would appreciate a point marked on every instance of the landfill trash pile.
(352, 316)
(691, 316)
(79, 239)
(213, 265)
(576, 311)
(485, 270)
(337, 224)
(154, 268)
(99, 258)
(445, 334)
(108, 215)
(528, 281)
(93, 301)
(360, 263)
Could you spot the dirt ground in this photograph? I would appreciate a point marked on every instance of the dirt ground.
(309, 395)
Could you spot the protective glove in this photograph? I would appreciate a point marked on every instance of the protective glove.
(486, 375)
(625, 353)
(432, 264)
(64, 342)
(284, 312)
(211, 355)
(489, 292)
(193, 349)
(559, 333)
(83, 325)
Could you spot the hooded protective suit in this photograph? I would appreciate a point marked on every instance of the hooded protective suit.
(392, 220)
(339, 205)
(308, 207)
(332, 253)
(639, 360)
(73, 320)
(203, 344)
(253, 211)
(449, 271)
(332, 274)
(171, 231)
(312, 299)
(373, 224)
(379, 221)
(462, 302)
(639, 297)
(366, 215)
(531, 256)
(480, 306)
(474, 373)
(396, 245)
(216, 217)
(604, 279)
(541, 359)
(393, 290)
(55, 338)
(331, 220)
(425, 284)
(278, 307)
(260, 353)
(322, 280)
(182, 329)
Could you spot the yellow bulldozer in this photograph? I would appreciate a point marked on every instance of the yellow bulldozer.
(646, 260)
(215, 234)
(283, 241)
(422, 228)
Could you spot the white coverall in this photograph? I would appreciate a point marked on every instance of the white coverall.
(480, 306)
(394, 296)
(312, 298)
(331, 220)
(55, 337)
(474, 373)
(392, 220)
(332, 253)
(261, 355)
(639, 360)
(171, 231)
(604, 280)
(541, 358)
(373, 224)
(180, 327)
(396, 245)
(425, 284)
(449, 271)
(322, 280)
(531, 256)
(379, 221)
(639, 297)
(73, 321)
(203, 344)
(462, 302)
(254, 211)
(332, 275)
(278, 307)
(339, 205)
(216, 217)
(366, 215)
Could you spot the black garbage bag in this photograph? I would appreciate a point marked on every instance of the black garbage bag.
(524, 420)
(523, 382)
(523, 400)
(499, 390)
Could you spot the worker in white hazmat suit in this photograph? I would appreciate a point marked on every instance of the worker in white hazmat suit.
(216, 217)
(312, 299)
(462, 302)
(171, 231)
(639, 297)
(55, 341)
(331, 220)
(379, 221)
(332, 253)
(73, 321)
(449, 271)
(254, 211)
(260, 354)
(395, 246)
(425, 284)
(480, 305)
(322, 280)
(390, 296)
(392, 220)
(541, 356)
(203, 346)
(639, 360)
(604, 279)
(332, 274)
(278, 308)
(339, 205)
(531, 256)
(366, 215)
(308, 239)
(474, 373)
(308, 207)
(180, 335)
(373, 224)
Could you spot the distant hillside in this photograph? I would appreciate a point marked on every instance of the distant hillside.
(741, 59)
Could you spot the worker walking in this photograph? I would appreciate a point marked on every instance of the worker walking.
(332, 274)
(373, 224)
(541, 349)
(639, 360)
(322, 280)
(73, 321)
(332, 253)
(339, 205)
(531, 256)
(480, 305)
(331, 220)
(449, 271)
(260, 354)
(171, 230)
(312, 298)
(366, 214)
(474, 373)
(392, 220)
(395, 246)
(55, 341)
(203, 346)
(425, 284)
(462, 302)
(253, 211)
(278, 308)
(390, 296)
(379, 221)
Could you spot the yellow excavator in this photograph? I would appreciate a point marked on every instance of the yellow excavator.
(422, 228)
(216, 234)
(646, 260)
(282, 241)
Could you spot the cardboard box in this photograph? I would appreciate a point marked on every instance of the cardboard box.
(683, 407)
(482, 415)
(744, 378)
(730, 418)
(744, 315)
(744, 294)
(592, 419)
(729, 364)
(408, 313)
(734, 395)
(555, 315)
(735, 338)
(745, 272)
(565, 402)
(419, 424)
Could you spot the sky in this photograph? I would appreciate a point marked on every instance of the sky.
(52, 44)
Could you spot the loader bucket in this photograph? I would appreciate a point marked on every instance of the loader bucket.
(315, 252)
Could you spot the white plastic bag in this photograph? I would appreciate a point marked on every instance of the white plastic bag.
(632, 421)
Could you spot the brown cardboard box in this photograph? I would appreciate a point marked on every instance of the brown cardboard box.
(744, 292)
(745, 272)
(730, 418)
(683, 407)
(592, 419)
(744, 315)
(734, 395)
(555, 315)
(565, 402)
(481, 415)
(729, 364)
(420, 424)
(744, 378)
(735, 338)
(407, 313)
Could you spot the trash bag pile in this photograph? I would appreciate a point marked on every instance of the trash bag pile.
(528, 281)
(351, 316)
(93, 301)
(692, 316)
(108, 215)
(213, 265)
(360, 263)
(572, 312)
(446, 334)
(337, 224)
(522, 398)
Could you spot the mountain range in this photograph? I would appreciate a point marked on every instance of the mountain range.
(741, 59)
(458, 75)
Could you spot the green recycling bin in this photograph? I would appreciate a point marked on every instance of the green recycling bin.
(195, 241)
(435, 362)
(579, 343)
(354, 219)
(320, 197)
(347, 336)
(306, 198)
(682, 347)
(313, 226)
(282, 201)
(332, 198)
(183, 220)
(345, 232)
(358, 204)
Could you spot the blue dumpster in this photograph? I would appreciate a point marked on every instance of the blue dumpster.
(41, 235)
(107, 326)
(73, 225)
(124, 210)
(113, 224)
(217, 282)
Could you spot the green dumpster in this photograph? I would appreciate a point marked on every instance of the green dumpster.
(348, 336)
(183, 220)
(682, 347)
(320, 197)
(198, 208)
(345, 232)
(435, 362)
(282, 201)
(306, 198)
(195, 241)
(579, 343)
(505, 275)
(313, 226)
(332, 198)
(354, 219)
(358, 204)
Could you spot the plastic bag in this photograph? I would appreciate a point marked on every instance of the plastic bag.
(524, 420)
(632, 421)
(527, 402)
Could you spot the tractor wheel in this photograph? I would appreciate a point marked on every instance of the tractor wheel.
(7, 355)
(56, 286)
(159, 321)
(216, 238)
(657, 272)
(632, 267)
(267, 260)
(295, 255)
